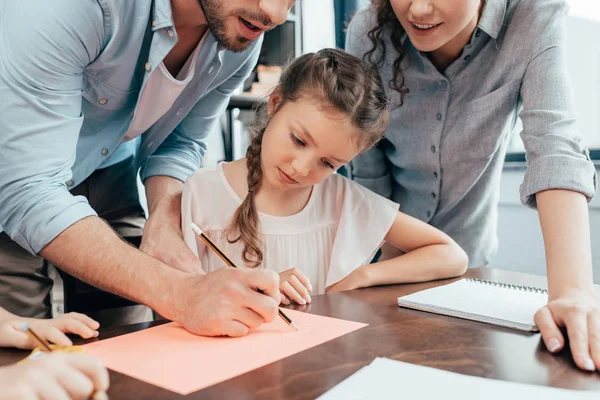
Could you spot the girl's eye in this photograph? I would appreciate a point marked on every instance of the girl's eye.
(296, 140)
(328, 164)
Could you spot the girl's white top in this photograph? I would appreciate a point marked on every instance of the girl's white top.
(340, 228)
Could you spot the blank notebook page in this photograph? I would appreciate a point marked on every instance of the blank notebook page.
(490, 302)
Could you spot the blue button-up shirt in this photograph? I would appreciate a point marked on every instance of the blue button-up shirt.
(71, 73)
(443, 152)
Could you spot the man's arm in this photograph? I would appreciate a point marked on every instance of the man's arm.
(223, 303)
(40, 116)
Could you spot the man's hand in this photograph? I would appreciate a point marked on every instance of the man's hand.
(226, 302)
(164, 241)
(579, 313)
(162, 237)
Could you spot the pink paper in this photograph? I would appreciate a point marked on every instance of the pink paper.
(174, 359)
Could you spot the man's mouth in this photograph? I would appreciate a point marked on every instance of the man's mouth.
(250, 25)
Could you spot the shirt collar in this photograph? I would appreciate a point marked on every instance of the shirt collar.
(492, 17)
(162, 15)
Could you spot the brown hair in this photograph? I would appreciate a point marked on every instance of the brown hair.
(339, 81)
(387, 21)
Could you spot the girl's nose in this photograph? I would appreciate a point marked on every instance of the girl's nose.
(300, 167)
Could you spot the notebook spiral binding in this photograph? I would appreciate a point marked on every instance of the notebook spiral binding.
(531, 289)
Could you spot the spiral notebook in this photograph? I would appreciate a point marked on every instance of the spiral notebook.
(511, 306)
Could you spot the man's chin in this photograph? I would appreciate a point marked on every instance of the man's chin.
(238, 44)
(235, 44)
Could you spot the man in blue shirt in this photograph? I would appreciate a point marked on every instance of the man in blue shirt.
(91, 91)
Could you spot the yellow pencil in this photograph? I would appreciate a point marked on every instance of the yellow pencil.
(211, 245)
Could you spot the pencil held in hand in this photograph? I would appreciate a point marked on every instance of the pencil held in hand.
(211, 245)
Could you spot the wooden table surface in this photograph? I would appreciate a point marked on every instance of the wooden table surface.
(451, 344)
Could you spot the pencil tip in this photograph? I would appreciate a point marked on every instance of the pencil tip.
(293, 325)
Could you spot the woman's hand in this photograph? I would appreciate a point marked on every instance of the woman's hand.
(294, 286)
(53, 330)
(579, 313)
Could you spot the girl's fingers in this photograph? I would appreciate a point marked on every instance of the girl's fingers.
(89, 322)
(77, 327)
(302, 278)
(291, 293)
(52, 334)
(285, 300)
(300, 288)
(76, 383)
(92, 368)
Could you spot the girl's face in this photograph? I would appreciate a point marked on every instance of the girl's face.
(435, 24)
(304, 144)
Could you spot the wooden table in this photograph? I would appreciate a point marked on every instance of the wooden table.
(451, 344)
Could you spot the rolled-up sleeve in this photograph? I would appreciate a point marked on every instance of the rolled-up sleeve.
(44, 47)
(371, 168)
(556, 156)
(181, 154)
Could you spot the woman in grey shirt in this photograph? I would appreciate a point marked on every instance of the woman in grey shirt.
(458, 73)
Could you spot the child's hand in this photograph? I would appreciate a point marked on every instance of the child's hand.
(52, 330)
(55, 376)
(294, 285)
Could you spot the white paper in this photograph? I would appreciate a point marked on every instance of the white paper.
(389, 379)
(483, 302)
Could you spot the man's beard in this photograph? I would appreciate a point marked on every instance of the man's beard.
(213, 12)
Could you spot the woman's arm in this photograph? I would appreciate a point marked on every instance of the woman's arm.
(560, 178)
(572, 300)
(430, 254)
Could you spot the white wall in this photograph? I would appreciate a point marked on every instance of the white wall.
(521, 246)
(318, 25)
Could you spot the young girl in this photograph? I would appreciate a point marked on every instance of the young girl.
(282, 207)
(462, 71)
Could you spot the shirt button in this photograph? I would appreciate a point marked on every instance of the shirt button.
(439, 116)
(154, 23)
(69, 183)
(444, 84)
(478, 33)
(148, 67)
(433, 149)
(103, 101)
(104, 152)
(467, 57)
(435, 175)
(428, 214)
(170, 33)
(179, 111)
(433, 195)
